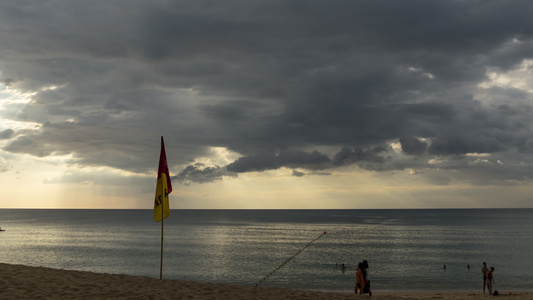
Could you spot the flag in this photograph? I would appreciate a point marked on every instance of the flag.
(163, 187)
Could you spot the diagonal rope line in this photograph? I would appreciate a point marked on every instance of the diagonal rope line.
(285, 262)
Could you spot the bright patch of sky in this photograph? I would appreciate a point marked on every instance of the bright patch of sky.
(11, 101)
(520, 78)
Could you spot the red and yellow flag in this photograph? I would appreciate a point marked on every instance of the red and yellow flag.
(163, 187)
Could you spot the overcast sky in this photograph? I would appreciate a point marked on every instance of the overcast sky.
(267, 104)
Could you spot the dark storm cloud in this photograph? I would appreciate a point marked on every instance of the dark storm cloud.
(348, 156)
(411, 145)
(274, 81)
(6, 134)
(297, 173)
(262, 162)
(200, 173)
(462, 144)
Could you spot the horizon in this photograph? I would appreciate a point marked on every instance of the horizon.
(273, 209)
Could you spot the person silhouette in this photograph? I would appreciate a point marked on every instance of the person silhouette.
(359, 279)
(366, 289)
(490, 279)
(484, 270)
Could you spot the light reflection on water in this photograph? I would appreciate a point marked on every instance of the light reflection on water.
(242, 247)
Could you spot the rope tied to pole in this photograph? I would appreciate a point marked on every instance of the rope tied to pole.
(285, 262)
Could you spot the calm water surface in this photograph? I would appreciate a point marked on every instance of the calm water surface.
(406, 249)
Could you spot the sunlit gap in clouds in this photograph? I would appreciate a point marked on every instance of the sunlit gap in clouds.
(519, 78)
(218, 156)
(11, 103)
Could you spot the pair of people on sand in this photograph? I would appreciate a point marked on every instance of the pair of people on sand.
(488, 277)
(361, 282)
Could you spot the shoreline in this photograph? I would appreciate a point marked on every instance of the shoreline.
(23, 282)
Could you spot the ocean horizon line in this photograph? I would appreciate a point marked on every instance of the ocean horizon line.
(282, 209)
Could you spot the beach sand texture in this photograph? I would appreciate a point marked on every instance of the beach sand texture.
(23, 282)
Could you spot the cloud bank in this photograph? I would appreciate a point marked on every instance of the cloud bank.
(309, 86)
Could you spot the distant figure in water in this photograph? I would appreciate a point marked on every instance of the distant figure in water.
(468, 267)
(343, 266)
(444, 267)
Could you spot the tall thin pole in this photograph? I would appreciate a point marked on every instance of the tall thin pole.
(161, 265)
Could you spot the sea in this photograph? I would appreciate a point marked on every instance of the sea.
(406, 249)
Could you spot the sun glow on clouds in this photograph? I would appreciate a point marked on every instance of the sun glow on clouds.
(22, 170)
(11, 100)
(348, 187)
(24, 181)
(519, 78)
(264, 190)
(218, 156)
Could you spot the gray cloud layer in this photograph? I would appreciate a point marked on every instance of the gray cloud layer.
(274, 81)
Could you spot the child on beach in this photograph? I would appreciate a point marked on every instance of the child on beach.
(359, 279)
(490, 279)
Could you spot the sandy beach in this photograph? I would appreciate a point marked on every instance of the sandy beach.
(23, 282)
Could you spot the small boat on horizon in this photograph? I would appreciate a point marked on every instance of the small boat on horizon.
(2, 229)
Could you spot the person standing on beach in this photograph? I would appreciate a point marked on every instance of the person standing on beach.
(490, 279)
(359, 279)
(366, 281)
(484, 270)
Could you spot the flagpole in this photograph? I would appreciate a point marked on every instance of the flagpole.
(163, 188)
(161, 265)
